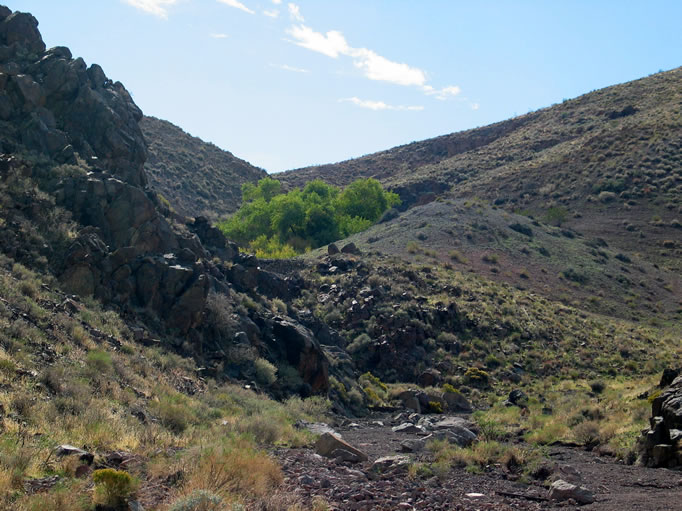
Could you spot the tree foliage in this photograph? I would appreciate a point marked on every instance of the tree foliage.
(278, 224)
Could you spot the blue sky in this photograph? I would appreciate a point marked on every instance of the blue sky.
(285, 84)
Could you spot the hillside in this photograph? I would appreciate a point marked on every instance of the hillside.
(196, 177)
(147, 363)
(605, 164)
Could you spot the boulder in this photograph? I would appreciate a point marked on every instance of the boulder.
(659, 443)
(456, 402)
(561, 490)
(413, 444)
(328, 443)
(410, 400)
(459, 435)
(299, 347)
(332, 249)
(22, 29)
(350, 248)
(454, 422)
(429, 378)
(517, 397)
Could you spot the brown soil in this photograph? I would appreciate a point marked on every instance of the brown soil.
(616, 486)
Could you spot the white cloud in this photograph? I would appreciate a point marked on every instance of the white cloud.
(237, 5)
(155, 7)
(332, 44)
(273, 13)
(445, 93)
(218, 36)
(290, 68)
(277, 2)
(295, 13)
(374, 66)
(380, 68)
(475, 106)
(379, 105)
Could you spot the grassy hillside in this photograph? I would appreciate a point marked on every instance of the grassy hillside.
(606, 164)
(196, 177)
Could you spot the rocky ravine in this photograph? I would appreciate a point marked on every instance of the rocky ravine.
(384, 482)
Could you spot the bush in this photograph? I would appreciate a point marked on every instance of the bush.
(278, 224)
(359, 343)
(99, 362)
(113, 487)
(266, 373)
(199, 500)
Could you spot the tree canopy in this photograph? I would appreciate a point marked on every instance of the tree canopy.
(278, 224)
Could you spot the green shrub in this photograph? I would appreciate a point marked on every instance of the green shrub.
(199, 500)
(113, 487)
(476, 376)
(278, 224)
(266, 373)
(99, 361)
(435, 407)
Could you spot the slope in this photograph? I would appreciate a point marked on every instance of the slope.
(196, 177)
(606, 164)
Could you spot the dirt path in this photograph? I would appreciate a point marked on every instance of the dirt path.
(345, 486)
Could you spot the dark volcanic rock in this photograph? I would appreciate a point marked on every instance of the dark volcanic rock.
(303, 352)
(659, 446)
(21, 29)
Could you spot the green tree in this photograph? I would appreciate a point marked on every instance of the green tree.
(275, 224)
(365, 198)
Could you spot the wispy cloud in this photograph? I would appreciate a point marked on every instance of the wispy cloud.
(475, 106)
(277, 2)
(272, 13)
(379, 105)
(156, 7)
(218, 36)
(237, 5)
(332, 44)
(285, 67)
(295, 13)
(443, 94)
(373, 66)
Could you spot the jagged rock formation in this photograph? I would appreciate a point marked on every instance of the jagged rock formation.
(76, 133)
(661, 444)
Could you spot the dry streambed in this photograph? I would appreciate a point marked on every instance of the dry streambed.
(384, 481)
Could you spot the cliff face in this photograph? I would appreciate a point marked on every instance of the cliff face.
(75, 194)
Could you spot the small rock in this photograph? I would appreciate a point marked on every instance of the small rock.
(70, 450)
(407, 427)
(342, 455)
(306, 480)
(518, 397)
(563, 490)
(134, 505)
(390, 464)
(413, 445)
(332, 249)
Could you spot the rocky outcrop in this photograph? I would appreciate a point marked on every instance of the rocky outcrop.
(55, 101)
(661, 444)
(76, 134)
(297, 345)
